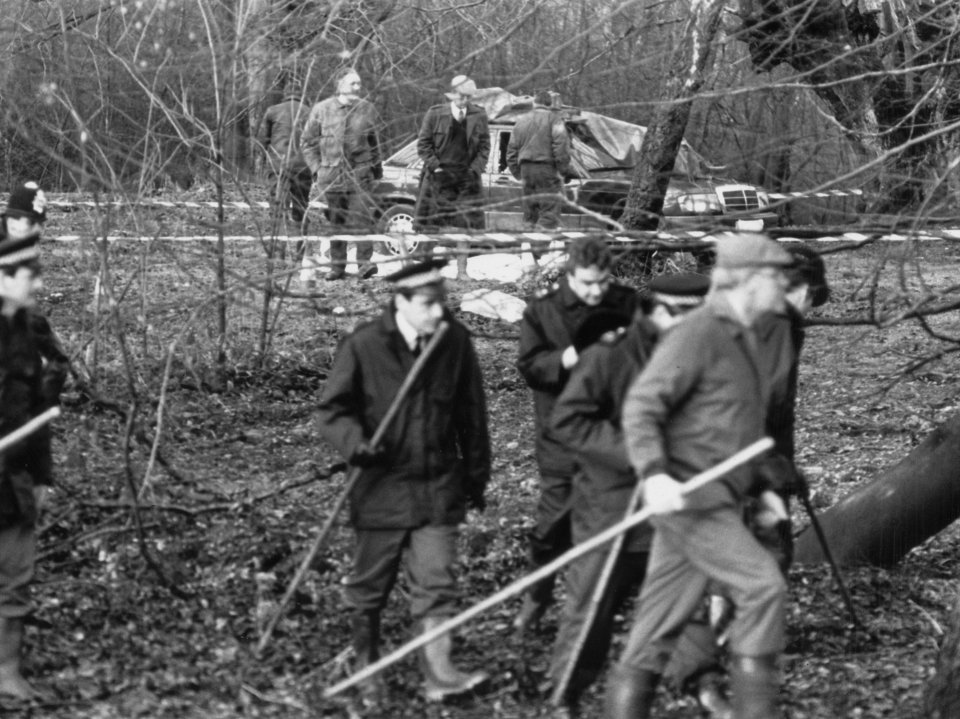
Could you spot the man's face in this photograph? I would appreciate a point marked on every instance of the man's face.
(460, 100)
(769, 286)
(19, 289)
(666, 316)
(350, 86)
(423, 310)
(19, 227)
(590, 284)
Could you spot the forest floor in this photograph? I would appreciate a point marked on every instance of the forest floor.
(161, 619)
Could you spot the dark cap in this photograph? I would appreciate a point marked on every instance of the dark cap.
(596, 324)
(749, 249)
(20, 251)
(419, 274)
(29, 201)
(808, 269)
(686, 289)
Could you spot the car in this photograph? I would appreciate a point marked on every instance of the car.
(604, 151)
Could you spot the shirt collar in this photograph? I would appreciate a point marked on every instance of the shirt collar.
(455, 111)
(407, 331)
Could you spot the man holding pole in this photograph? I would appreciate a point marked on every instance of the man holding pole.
(547, 356)
(417, 484)
(587, 418)
(703, 395)
(29, 385)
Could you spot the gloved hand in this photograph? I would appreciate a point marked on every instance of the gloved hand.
(569, 357)
(366, 456)
(477, 502)
(771, 510)
(662, 494)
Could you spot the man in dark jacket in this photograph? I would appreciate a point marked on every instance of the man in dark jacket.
(547, 356)
(342, 148)
(539, 155)
(587, 419)
(703, 396)
(432, 466)
(288, 176)
(454, 144)
(29, 384)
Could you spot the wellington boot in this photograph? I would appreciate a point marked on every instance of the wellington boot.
(12, 682)
(755, 682)
(441, 678)
(365, 629)
(630, 694)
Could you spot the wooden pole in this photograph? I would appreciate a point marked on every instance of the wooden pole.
(25, 430)
(352, 478)
(522, 584)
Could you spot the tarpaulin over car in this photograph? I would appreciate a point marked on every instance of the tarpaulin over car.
(598, 142)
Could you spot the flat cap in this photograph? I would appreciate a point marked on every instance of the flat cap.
(750, 249)
(419, 274)
(684, 289)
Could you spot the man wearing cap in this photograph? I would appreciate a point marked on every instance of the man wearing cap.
(28, 386)
(702, 397)
(538, 155)
(417, 485)
(587, 418)
(547, 356)
(341, 147)
(781, 334)
(289, 178)
(454, 144)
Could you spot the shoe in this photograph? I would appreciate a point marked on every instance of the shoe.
(333, 275)
(529, 616)
(442, 678)
(12, 683)
(368, 270)
(711, 698)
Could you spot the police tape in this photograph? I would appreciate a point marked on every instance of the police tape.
(263, 205)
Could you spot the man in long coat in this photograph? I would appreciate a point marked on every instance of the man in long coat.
(431, 467)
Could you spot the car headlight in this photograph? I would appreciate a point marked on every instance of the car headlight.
(700, 203)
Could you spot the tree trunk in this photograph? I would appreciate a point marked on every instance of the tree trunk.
(879, 523)
(941, 699)
(658, 153)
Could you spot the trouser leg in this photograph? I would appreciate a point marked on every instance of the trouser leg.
(551, 535)
(430, 561)
(376, 560)
(17, 560)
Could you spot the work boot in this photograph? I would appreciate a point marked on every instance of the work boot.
(529, 616)
(337, 273)
(755, 683)
(441, 678)
(365, 628)
(711, 698)
(630, 694)
(12, 682)
(368, 270)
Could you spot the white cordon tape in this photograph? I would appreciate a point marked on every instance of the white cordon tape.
(167, 204)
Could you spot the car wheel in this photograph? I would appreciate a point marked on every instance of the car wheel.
(397, 220)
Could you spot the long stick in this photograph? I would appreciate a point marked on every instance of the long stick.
(352, 478)
(694, 483)
(556, 699)
(804, 494)
(29, 428)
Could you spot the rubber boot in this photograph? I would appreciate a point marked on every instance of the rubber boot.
(12, 682)
(630, 694)
(755, 682)
(441, 678)
(365, 627)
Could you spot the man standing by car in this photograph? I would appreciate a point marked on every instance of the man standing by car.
(547, 355)
(453, 144)
(702, 397)
(417, 485)
(538, 155)
(341, 146)
(288, 176)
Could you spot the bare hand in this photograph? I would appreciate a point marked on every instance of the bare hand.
(662, 494)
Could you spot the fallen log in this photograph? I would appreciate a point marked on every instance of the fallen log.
(879, 523)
